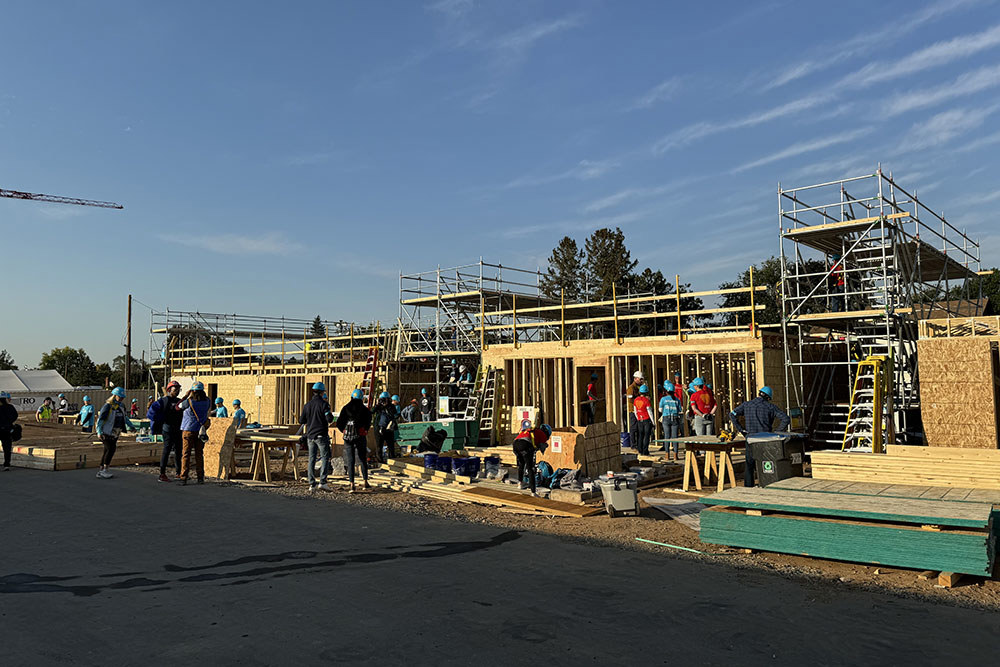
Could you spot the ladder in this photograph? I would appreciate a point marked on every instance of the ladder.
(869, 415)
(472, 406)
(368, 380)
(488, 396)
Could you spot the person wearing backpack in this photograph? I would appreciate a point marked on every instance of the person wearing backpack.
(195, 406)
(386, 422)
(111, 421)
(8, 415)
(315, 420)
(354, 421)
(165, 419)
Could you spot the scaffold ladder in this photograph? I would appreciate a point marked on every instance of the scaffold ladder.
(869, 416)
(472, 406)
(369, 380)
(488, 397)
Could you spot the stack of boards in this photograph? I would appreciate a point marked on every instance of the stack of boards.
(859, 522)
(931, 466)
(83, 455)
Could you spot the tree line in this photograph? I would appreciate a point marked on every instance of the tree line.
(77, 368)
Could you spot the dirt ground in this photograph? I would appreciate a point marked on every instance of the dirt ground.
(622, 532)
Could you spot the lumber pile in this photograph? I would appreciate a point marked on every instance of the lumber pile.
(939, 535)
(72, 457)
(922, 466)
(960, 392)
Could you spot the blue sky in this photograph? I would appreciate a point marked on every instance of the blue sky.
(293, 158)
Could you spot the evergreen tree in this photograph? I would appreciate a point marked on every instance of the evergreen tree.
(7, 361)
(565, 272)
(317, 329)
(608, 262)
(767, 274)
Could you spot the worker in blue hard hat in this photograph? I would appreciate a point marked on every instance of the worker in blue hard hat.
(395, 404)
(240, 415)
(220, 408)
(315, 420)
(670, 418)
(196, 409)
(8, 415)
(63, 404)
(85, 418)
(758, 415)
(165, 420)
(386, 423)
(631, 392)
(111, 422)
(410, 412)
(642, 408)
(426, 406)
(590, 405)
(527, 443)
(354, 421)
(704, 407)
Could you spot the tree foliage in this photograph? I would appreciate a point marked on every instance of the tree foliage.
(317, 329)
(565, 272)
(138, 373)
(7, 361)
(767, 274)
(75, 365)
(608, 262)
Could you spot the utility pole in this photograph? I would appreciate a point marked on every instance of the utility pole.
(128, 344)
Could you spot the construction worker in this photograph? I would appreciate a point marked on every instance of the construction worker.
(195, 407)
(386, 423)
(758, 417)
(395, 404)
(642, 407)
(240, 415)
(411, 411)
(166, 418)
(85, 418)
(526, 444)
(220, 408)
(704, 407)
(63, 404)
(426, 406)
(630, 394)
(8, 415)
(111, 421)
(670, 417)
(44, 412)
(836, 284)
(589, 408)
(354, 421)
(315, 420)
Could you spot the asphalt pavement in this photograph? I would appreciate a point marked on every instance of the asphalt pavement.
(129, 571)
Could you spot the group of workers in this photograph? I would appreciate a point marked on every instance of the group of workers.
(701, 408)
(354, 421)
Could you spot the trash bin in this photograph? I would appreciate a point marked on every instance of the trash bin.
(621, 493)
(777, 456)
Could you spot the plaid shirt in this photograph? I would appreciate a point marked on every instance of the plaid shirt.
(759, 415)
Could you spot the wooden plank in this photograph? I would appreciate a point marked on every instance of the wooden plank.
(949, 579)
(529, 502)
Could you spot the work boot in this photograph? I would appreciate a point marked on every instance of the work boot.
(163, 478)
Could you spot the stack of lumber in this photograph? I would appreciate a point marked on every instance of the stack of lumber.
(960, 392)
(922, 466)
(71, 457)
(593, 449)
(940, 535)
(414, 467)
(888, 490)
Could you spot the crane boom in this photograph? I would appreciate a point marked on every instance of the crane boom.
(55, 199)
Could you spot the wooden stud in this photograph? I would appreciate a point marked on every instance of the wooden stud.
(949, 579)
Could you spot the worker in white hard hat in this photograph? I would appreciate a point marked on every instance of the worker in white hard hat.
(631, 392)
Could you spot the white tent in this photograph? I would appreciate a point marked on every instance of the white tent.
(33, 381)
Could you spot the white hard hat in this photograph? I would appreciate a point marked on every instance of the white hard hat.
(637, 374)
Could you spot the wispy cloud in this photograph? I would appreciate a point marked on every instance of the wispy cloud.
(574, 225)
(981, 142)
(273, 243)
(451, 8)
(517, 42)
(864, 43)
(967, 84)
(628, 194)
(943, 127)
(983, 198)
(805, 147)
(60, 211)
(584, 170)
(659, 93)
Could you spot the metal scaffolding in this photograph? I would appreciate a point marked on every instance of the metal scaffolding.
(863, 260)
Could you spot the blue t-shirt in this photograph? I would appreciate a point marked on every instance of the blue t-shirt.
(240, 415)
(669, 406)
(221, 412)
(87, 416)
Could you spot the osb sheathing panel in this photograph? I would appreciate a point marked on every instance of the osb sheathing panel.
(958, 392)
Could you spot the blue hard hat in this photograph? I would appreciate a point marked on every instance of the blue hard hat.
(643, 389)
(236, 401)
(319, 386)
(708, 386)
(395, 397)
(547, 429)
(62, 396)
(697, 382)
(119, 392)
(6, 394)
(357, 393)
(384, 394)
(86, 399)
(767, 392)
(198, 386)
(219, 401)
(423, 392)
(668, 385)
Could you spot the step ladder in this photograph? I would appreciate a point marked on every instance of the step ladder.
(472, 405)
(869, 415)
(488, 397)
(369, 380)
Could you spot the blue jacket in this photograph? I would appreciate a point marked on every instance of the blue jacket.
(196, 414)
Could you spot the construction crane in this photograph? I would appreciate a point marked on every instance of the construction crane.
(55, 199)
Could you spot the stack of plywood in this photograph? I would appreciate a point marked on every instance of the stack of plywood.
(959, 390)
(931, 466)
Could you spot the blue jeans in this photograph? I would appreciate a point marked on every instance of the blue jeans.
(356, 450)
(671, 429)
(322, 444)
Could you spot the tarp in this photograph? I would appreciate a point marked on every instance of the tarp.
(33, 381)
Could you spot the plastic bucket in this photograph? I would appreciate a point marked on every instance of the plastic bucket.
(443, 463)
(430, 461)
(468, 467)
(626, 440)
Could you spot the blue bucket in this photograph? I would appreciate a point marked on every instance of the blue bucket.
(443, 463)
(468, 467)
(626, 440)
(430, 461)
